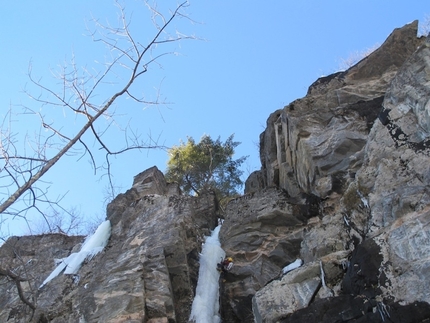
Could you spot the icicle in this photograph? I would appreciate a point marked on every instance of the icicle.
(54, 273)
(346, 221)
(382, 308)
(92, 246)
(322, 275)
(326, 291)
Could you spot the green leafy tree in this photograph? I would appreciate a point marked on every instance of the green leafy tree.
(206, 166)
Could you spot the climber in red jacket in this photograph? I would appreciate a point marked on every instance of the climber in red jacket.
(225, 265)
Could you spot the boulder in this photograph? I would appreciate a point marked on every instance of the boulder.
(277, 299)
(281, 297)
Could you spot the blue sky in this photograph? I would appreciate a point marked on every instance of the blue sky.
(253, 58)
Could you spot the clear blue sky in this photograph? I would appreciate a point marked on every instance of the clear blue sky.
(255, 58)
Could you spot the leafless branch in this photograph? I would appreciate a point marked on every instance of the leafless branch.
(26, 158)
(17, 279)
(77, 94)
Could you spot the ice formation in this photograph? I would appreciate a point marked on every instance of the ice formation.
(92, 246)
(293, 265)
(205, 308)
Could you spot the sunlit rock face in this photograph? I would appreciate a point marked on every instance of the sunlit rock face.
(395, 178)
(147, 272)
(358, 145)
(316, 144)
(344, 188)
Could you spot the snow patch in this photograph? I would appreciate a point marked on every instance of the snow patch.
(292, 266)
(205, 308)
(363, 200)
(92, 246)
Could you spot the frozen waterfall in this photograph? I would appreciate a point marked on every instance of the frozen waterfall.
(205, 307)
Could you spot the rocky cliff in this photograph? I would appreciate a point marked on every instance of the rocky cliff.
(147, 272)
(344, 186)
(356, 147)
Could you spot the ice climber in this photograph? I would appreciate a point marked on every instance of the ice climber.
(225, 265)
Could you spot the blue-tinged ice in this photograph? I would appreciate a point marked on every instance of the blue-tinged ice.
(292, 266)
(205, 308)
(92, 246)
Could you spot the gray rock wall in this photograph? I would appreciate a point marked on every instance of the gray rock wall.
(315, 144)
(147, 272)
(358, 143)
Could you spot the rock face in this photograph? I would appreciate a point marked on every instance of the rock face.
(344, 186)
(358, 147)
(147, 272)
(316, 144)
(31, 257)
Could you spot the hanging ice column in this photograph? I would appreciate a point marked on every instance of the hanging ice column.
(93, 245)
(205, 307)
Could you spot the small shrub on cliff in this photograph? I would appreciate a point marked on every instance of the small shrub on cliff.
(424, 26)
(206, 166)
(355, 57)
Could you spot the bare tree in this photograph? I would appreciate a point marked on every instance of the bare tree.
(22, 168)
(72, 222)
(24, 160)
